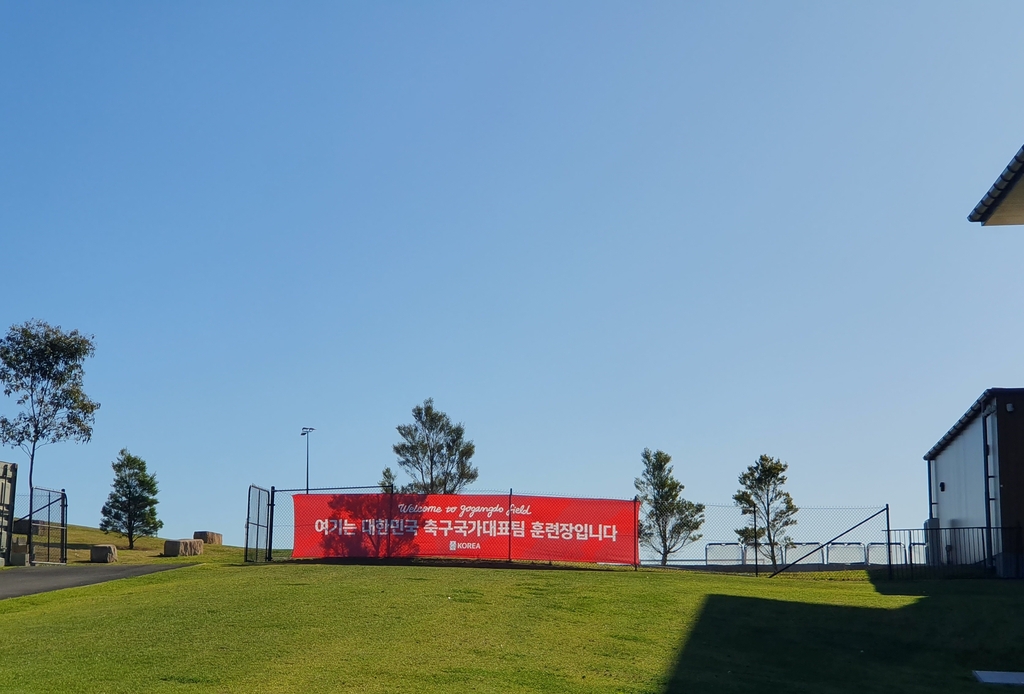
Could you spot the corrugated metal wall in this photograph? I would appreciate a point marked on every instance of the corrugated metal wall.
(961, 468)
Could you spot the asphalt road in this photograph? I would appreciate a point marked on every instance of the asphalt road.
(29, 580)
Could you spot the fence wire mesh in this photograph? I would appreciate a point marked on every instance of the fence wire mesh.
(487, 524)
(281, 523)
(723, 542)
(257, 524)
(48, 509)
(823, 540)
(830, 540)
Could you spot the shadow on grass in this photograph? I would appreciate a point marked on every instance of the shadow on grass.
(742, 644)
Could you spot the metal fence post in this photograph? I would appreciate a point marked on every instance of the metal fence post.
(910, 554)
(756, 562)
(888, 542)
(63, 527)
(636, 533)
(510, 525)
(391, 504)
(248, 513)
(270, 527)
(31, 522)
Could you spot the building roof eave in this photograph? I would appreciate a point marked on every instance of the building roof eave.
(978, 408)
(999, 191)
(961, 424)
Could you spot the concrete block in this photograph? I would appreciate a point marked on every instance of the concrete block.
(183, 548)
(103, 554)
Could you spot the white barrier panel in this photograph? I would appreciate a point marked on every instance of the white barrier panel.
(846, 553)
(722, 554)
(799, 549)
(764, 556)
(877, 553)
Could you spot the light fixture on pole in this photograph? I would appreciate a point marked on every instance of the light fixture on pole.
(305, 432)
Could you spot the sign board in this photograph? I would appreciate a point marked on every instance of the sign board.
(535, 528)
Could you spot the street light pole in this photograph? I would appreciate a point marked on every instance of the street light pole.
(305, 432)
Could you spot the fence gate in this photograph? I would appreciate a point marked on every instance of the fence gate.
(45, 526)
(257, 525)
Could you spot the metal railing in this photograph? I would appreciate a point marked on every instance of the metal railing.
(958, 552)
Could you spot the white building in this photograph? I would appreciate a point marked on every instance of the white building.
(976, 484)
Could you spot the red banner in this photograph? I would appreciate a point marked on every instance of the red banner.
(537, 528)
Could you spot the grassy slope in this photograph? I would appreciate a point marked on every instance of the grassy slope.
(326, 628)
(147, 549)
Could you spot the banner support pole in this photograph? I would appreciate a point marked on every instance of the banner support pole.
(391, 514)
(636, 533)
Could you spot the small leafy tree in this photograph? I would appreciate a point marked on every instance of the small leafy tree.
(670, 522)
(434, 452)
(762, 496)
(387, 480)
(130, 510)
(42, 367)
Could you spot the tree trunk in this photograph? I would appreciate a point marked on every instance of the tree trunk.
(31, 504)
(768, 534)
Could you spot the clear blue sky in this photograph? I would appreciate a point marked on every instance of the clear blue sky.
(718, 229)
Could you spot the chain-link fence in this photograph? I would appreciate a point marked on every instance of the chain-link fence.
(822, 539)
(501, 525)
(831, 540)
(40, 527)
(362, 521)
(280, 519)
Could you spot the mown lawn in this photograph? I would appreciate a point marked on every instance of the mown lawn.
(367, 628)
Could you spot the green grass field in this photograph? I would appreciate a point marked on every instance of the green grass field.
(221, 626)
